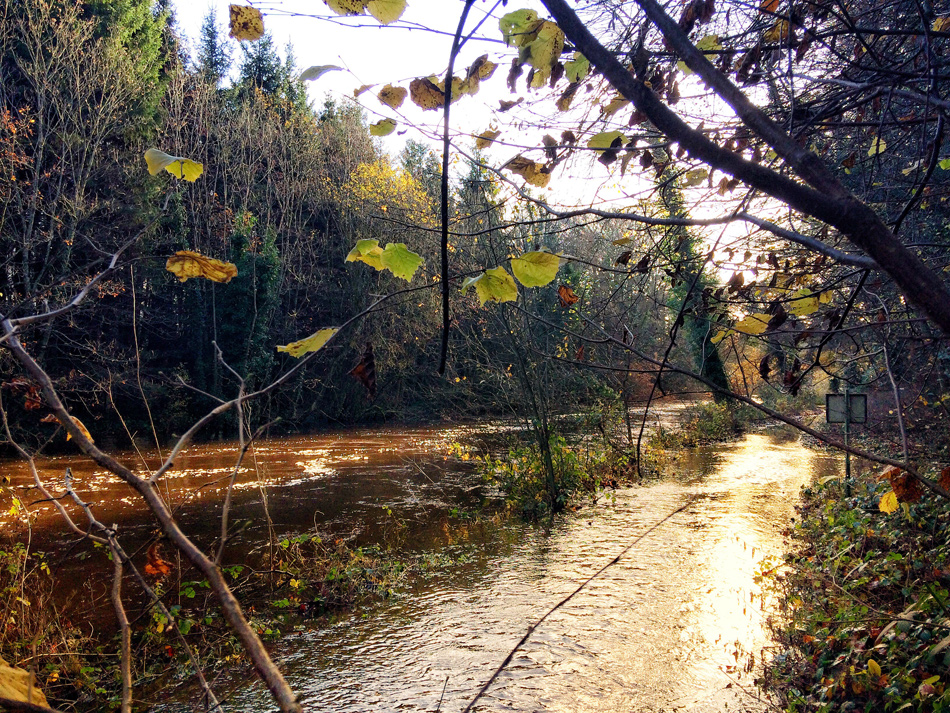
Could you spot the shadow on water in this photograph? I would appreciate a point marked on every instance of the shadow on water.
(677, 624)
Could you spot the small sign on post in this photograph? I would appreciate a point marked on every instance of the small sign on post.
(846, 408)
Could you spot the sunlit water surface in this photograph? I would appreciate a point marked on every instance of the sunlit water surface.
(676, 624)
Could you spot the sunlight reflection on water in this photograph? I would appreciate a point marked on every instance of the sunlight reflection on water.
(670, 627)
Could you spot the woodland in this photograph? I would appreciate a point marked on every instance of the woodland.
(194, 250)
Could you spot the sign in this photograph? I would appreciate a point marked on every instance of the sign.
(838, 405)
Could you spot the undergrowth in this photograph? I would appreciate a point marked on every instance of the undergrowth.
(297, 578)
(703, 423)
(864, 616)
(582, 470)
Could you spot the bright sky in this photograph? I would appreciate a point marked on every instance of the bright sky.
(372, 54)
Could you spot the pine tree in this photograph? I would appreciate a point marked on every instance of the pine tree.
(215, 52)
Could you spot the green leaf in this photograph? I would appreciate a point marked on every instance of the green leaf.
(384, 127)
(401, 261)
(313, 73)
(367, 251)
(605, 139)
(312, 343)
(494, 285)
(386, 11)
(578, 68)
(888, 502)
(396, 258)
(945, 164)
(176, 165)
(544, 51)
(518, 27)
(535, 269)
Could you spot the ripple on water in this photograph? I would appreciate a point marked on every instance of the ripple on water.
(667, 628)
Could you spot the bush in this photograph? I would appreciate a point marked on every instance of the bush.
(706, 422)
(524, 478)
(864, 605)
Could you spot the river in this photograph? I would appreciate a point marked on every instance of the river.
(676, 624)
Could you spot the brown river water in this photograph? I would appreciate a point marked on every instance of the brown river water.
(676, 625)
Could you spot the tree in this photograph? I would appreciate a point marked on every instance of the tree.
(214, 50)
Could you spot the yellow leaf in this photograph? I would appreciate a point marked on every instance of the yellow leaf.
(695, 177)
(391, 96)
(346, 7)
(485, 139)
(383, 127)
(874, 668)
(941, 24)
(877, 146)
(16, 684)
(534, 173)
(367, 251)
(778, 32)
(888, 502)
(709, 43)
(544, 51)
(614, 105)
(247, 23)
(426, 94)
(494, 285)
(176, 165)
(386, 11)
(360, 90)
(753, 324)
(81, 427)
(312, 343)
(719, 336)
(535, 269)
(605, 140)
(803, 303)
(187, 263)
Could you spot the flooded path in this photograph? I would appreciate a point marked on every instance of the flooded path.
(669, 627)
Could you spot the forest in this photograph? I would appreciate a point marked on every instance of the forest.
(734, 208)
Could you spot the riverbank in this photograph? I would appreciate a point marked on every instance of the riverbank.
(863, 611)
